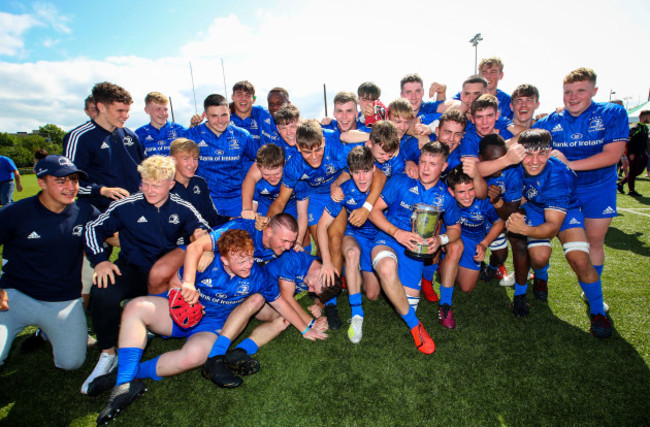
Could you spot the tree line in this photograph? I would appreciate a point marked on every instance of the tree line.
(21, 148)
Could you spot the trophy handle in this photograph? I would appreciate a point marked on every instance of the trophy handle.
(436, 256)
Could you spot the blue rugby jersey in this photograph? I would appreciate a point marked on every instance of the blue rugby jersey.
(352, 199)
(7, 168)
(43, 249)
(469, 145)
(402, 193)
(222, 158)
(253, 123)
(262, 254)
(504, 103)
(146, 232)
(554, 188)
(586, 135)
(157, 141)
(109, 158)
(265, 195)
(511, 183)
(291, 267)
(476, 220)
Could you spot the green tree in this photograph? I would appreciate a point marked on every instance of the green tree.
(6, 140)
(52, 132)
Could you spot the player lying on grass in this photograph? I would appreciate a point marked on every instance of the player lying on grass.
(552, 208)
(232, 278)
(358, 241)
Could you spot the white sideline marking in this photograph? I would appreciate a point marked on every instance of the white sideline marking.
(634, 211)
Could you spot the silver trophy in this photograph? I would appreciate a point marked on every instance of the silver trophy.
(425, 221)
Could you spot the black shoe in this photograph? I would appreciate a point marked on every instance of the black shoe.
(520, 306)
(216, 370)
(33, 342)
(333, 319)
(540, 289)
(121, 397)
(601, 325)
(634, 194)
(241, 363)
(619, 186)
(102, 383)
(486, 273)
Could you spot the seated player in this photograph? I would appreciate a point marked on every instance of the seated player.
(400, 275)
(159, 133)
(226, 153)
(232, 277)
(150, 223)
(357, 242)
(480, 226)
(42, 239)
(552, 208)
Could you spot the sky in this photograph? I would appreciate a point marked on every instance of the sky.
(53, 52)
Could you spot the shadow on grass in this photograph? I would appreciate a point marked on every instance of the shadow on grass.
(619, 239)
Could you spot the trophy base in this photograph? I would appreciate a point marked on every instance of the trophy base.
(419, 255)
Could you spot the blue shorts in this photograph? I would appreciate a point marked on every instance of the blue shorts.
(366, 246)
(317, 203)
(409, 269)
(467, 260)
(573, 218)
(207, 324)
(597, 202)
(263, 208)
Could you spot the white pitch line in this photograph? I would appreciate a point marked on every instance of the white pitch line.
(633, 211)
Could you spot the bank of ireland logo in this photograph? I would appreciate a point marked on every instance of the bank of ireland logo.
(173, 219)
(576, 135)
(218, 152)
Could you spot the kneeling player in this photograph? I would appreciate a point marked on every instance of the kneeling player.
(552, 208)
(230, 279)
(476, 215)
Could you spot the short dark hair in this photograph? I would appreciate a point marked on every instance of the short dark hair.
(457, 176)
(270, 156)
(344, 97)
(278, 89)
(476, 78)
(435, 148)
(535, 139)
(284, 220)
(524, 90)
(369, 89)
(309, 134)
(287, 114)
(108, 93)
(385, 134)
(453, 115)
(410, 78)
(245, 86)
(360, 158)
(89, 100)
(491, 140)
(326, 293)
(484, 102)
(214, 100)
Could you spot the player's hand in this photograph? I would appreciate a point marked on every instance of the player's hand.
(316, 311)
(105, 271)
(19, 187)
(198, 233)
(560, 156)
(114, 193)
(328, 274)
(470, 166)
(411, 170)
(196, 120)
(205, 260)
(515, 154)
(358, 217)
(422, 130)
(248, 214)
(369, 110)
(313, 335)
(517, 224)
(4, 300)
(189, 293)
(321, 324)
(494, 193)
(336, 193)
(408, 239)
(438, 89)
(540, 116)
(261, 222)
(433, 244)
(326, 121)
(480, 252)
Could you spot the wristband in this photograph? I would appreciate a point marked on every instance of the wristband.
(187, 283)
(311, 324)
(367, 206)
(444, 239)
(305, 331)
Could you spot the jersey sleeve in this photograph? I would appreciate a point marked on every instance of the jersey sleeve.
(617, 126)
(269, 288)
(451, 216)
(99, 230)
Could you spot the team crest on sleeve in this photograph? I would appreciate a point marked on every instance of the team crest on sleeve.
(531, 193)
(128, 141)
(330, 169)
(196, 189)
(77, 230)
(173, 219)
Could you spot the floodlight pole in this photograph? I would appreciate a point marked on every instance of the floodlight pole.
(611, 92)
(474, 41)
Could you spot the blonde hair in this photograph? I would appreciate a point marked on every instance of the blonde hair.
(182, 145)
(580, 75)
(401, 108)
(491, 62)
(156, 97)
(157, 168)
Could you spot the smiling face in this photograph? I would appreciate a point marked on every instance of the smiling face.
(535, 161)
(492, 75)
(464, 193)
(159, 113)
(186, 164)
(314, 155)
(414, 92)
(470, 92)
(238, 264)
(403, 124)
(58, 192)
(279, 239)
(523, 108)
(346, 115)
(156, 192)
(577, 96)
(450, 133)
(275, 101)
(114, 115)
(288, 132)
(484, 120)
(272, 176)
(218, 118)
(243, 102)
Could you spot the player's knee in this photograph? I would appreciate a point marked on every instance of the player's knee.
(352, 256)
(372, 292)
(386, 267)
(71, 361)
(455, 249)
(254, 303)
(192, 359)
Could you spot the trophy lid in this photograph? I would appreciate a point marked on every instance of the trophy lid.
(428, 208)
